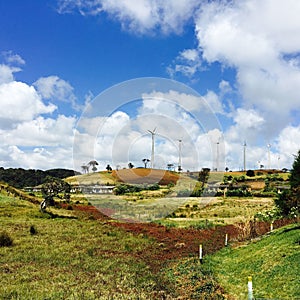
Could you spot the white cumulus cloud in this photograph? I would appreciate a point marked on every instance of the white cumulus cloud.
(55, 88)
(143, 16)
(20, 102)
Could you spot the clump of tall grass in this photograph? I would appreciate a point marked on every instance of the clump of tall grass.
(5, 239)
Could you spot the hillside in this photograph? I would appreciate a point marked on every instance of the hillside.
(97, 178)
(273, 262)
(131, 176)
(21, 178)
(145, 176)
(79, 253)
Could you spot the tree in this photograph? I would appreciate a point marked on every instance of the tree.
(146, 161)
(52, 188)
(295, 172)
(250, 173)
(93, 163)
(108, 168)
(85, 169)
(288, 201)
(203, 176)
(130, 165)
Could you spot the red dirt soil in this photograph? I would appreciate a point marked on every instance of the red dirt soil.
(147, 176)
(175, 243)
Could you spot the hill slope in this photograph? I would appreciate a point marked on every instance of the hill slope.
(148, 176)
(273, 262)
(21, 178)
(131, 176)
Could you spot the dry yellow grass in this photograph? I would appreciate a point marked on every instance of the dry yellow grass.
(148, 176)
(101, 178)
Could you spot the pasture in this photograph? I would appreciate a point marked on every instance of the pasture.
(82, 251)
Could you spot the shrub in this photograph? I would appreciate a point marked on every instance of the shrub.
(32, 230)
(154, 187)
(170, 185)
(250, 173)
(5, 239)
(241, 192)
(269, 215)
(240, 178)
(288, 201)
(184, 193)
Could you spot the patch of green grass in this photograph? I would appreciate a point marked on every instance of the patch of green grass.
(273, 262)
(194, 280)
(217, 210)
(70, 258)
(183, 223)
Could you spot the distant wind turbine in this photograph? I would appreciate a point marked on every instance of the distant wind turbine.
(179, 159)
(152, 149)
(245, 145)
(218, 154)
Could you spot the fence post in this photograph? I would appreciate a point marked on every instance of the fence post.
(200, 254)
(226, 239)
(271, 226)
(250, 288)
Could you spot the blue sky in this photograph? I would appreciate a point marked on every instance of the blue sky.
(236, 64)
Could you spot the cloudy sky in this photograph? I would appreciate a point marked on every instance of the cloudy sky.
(83, 80)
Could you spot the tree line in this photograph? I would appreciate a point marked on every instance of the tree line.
(21, 178)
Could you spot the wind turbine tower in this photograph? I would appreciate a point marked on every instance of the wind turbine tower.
(179, 159)
(218, 154)
(152, 149)
(245, 145)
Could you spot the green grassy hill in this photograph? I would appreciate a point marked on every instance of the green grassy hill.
(67, 254)
(71, 256)
(97, 178)
(132, 176)
(273, 262)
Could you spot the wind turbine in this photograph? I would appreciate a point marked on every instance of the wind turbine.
(218, 154)
(179, 159)
(152, 150)
(245, 145)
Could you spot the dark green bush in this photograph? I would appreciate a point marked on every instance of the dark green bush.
(32, 230)
(153, 187)
(5, 239)
(250, 173)
(238, 193)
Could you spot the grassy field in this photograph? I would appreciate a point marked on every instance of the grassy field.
(100, 178)
(70, 257)
(217, 211)
(72, 254)
(273, 262)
